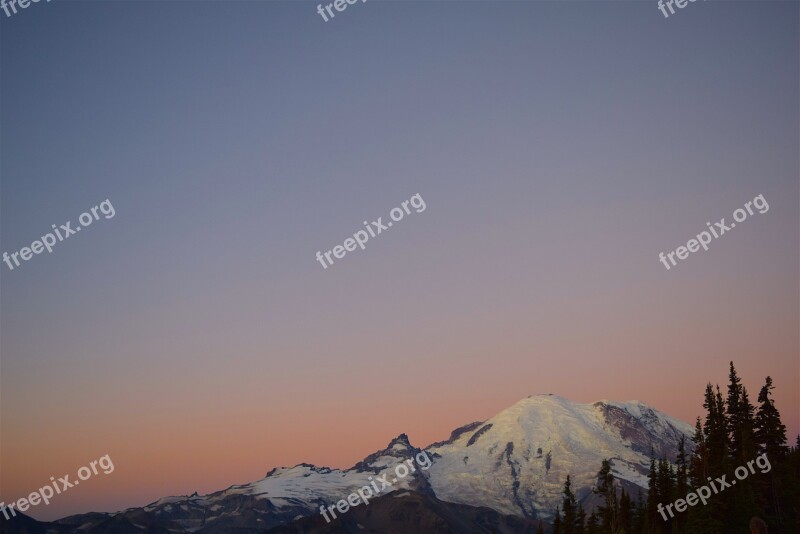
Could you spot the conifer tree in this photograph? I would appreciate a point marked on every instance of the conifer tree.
(570, 508)
(733, 409)
(607, 510)
(778, 492)
(770, 432)
(592, 524)
(681, 484)
(653, 498)
(557, 522)
(740, 501)
(640, 515)
(625, 513)
(748, 426)
(664, 483)
(698, 467)
(722, 425)
(716, 431)
(740, 422)
(710, 459)
(580, 520)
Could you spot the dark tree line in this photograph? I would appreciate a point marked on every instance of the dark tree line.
(733, 433)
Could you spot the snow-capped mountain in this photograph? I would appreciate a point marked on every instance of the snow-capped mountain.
(514, 464)
(517, 461)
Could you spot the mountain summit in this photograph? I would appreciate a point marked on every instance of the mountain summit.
(517, 461)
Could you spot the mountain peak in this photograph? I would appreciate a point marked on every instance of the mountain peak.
(531, 446)
(401, 440)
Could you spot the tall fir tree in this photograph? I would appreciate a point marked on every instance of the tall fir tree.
(748, 428)
(640, 515)
(723, 450)
(743, 496)
(664, 483)
(732, 410)
(653, 498)
(698, 466)
(607, 509)
(580, 520)
(681, 484)
(593, 524)
(625, 513)
(739, 421)
(570, 508)
(777, 492)
(712, 461)
(715, 431)
(770, 432)
(557, 521)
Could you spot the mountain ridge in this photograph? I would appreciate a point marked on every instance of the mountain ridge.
(514, 464)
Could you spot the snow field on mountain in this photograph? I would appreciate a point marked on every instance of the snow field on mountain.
(503, 468)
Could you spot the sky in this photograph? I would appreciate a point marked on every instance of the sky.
(559, 147)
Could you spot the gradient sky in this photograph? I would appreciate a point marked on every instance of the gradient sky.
(559, 148)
